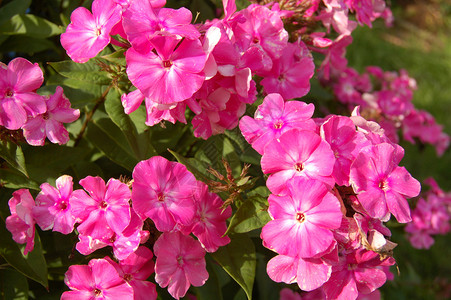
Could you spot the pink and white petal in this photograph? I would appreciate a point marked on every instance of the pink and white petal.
(33, 103)
(374, 202)
(79, 277)
(81, 205)
(34, 131)
(144, 290)
(118, 217)
(282, 268)
(104, 274)
(189, 56)
(283, 236)
(277, 182)
(119, 292)
(65, 115)
(282, 207)
(313, 239)
(400, 181)
(398, 206)
(327, 214)
(341, 286)
(179, 284)
(78, 295)
(312, 273)
(56, 132)
(24, 75)
(132, 101)
(117, 193)
(12, 115)
(64, 222)
(369, 279)
(94, 226)
(65, 186)
(95, 186)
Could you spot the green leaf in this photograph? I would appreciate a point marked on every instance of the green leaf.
(15, 180)
(116, 57)
(88, 72)
(108, 138)
(30, 25)
(30, 45)
(32, 265)
(13, 285)
(13, 8)
(139, 143)
(193, 165)
(212, 288)
(252, 214)
(238, 259)
(13, 155)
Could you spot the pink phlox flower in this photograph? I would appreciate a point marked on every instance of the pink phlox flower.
(335, 62)
(53, 206)
(171, 72)
(163, 191)
(88, 34)
(105, 211)
(302, 219)
(135, 269)
(180, 263)
(142, 21)
(297, 153)
(97, 280)
(21, 223)
(381, 185)
(392, 103)
(345, 142)
(349, 87)
(262, 35)
(50, 123)
(288, 294)
(336, 15)
(367, 10)
(348, 234)
(19, 81)
(275, 117)
(209, 222)
(291, 72)
(359, 271)
(372, 130)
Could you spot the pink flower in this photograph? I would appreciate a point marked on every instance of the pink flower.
(163, 191)
(53, 206)
(98, 280)
(291, 73)
(172, 73)
(135, 269)
(142, 21)
(21, 223)
(302, 219)
(209, 223)
(275, 117)
(18, 100)
(297, 153)
(88, 34)
(381, 185)
(359, 271)
(50, 123)
(180, 263)
(105, 210)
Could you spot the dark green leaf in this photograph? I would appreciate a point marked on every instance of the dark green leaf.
(193, 165)
(88, 72)
(252, 214)
(239, 260)
(108, 138)
(13, 285)
(13, 8)
(26, 44)
(139, 143)
(212, 288)
(15, 180)
(116, 57)
(30, 25)
(32, 265)
(13, 155)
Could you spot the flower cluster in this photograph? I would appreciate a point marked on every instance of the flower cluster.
(431, 216)
(386, 97)
(207, 67)
(333, 182)
(109, 214)
(22, 108)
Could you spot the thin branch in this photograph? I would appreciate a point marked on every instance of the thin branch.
(90, 114)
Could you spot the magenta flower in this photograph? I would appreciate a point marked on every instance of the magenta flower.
(50, 123)
(359, 271)
(105, 210)
(18, 82)
(135, 269)
(172, 73)
(209, 222)
(98, 280)
(163, 191)
(142, 21)
(297, 153)
(180, 263)
(302, 219)
(291, 73)
(275, 117)
(345, 142)
(21, 223)
(381, 185)
(53, 206)
(88, 34)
